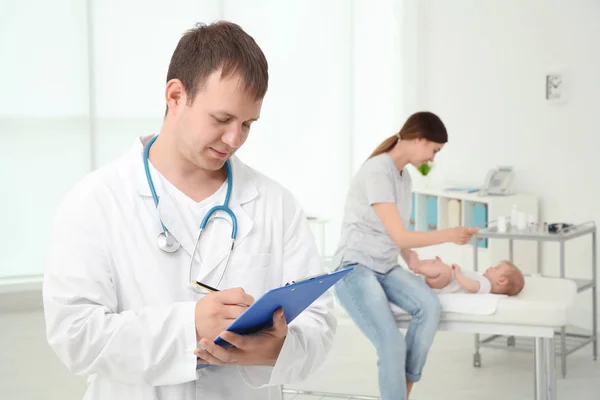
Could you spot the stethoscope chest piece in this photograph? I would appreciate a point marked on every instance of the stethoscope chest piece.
(167, 242)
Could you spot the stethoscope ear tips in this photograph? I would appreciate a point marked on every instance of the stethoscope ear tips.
(167, 243)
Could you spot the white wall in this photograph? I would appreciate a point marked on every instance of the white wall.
(83, 81)
(130, 55)
(52, 36)
(302, 137)
(79, 84)
(482, 69)
(44, 127)
(378, 77)
(336, 89)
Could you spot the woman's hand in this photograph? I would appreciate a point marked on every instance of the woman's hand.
(461, 235)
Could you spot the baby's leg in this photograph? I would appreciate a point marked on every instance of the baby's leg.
(437, 273)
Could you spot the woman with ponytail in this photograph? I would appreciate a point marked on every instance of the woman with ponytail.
(373, 235)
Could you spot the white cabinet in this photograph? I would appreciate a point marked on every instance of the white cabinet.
(435, 209)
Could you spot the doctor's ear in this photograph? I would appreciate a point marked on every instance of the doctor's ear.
(175, 93)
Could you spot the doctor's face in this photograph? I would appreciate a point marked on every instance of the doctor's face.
(211, 129)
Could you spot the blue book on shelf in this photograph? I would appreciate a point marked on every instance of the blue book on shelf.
(432, 213)
(463, 189)
(480, 219)
(412, 222)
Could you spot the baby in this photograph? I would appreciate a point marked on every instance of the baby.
(504, 278)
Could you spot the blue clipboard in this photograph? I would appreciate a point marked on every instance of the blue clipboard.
(294, 297)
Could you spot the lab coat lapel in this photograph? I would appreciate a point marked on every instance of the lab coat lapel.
(174, 219)
(243, 191)
(171, 215)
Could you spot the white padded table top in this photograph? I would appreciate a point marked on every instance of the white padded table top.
(544, 301)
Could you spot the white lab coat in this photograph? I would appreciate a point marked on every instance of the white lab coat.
(121, 311)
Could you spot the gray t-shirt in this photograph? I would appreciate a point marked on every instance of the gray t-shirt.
(363, 237)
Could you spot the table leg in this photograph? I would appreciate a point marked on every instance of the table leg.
(540, 384)
(594, 296)
(476, 356)
(563, 343)
(539, 258)
(550, 369)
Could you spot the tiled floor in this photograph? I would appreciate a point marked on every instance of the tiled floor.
(29, 370)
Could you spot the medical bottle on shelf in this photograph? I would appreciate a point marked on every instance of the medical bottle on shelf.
(514, 217)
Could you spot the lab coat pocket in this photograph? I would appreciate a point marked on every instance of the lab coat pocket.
(260, 260)
(252, 275)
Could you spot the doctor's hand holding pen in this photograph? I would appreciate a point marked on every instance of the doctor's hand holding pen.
(215, 312)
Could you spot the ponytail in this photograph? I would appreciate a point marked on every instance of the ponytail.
(385, 146)
(420, 125)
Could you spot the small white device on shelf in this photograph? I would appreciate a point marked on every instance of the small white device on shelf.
(498, 182)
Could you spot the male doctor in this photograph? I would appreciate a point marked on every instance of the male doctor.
(122, 311)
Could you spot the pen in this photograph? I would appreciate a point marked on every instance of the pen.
(205, 286)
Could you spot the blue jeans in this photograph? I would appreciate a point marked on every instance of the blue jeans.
(365, 294)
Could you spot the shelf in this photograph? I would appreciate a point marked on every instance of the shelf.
(583, 284)
(573, 342)
(430, 212)
(438, 208)
(454, 194)
(571, 233)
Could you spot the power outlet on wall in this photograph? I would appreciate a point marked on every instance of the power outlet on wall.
(556, 87)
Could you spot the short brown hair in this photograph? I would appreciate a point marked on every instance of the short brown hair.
(220, 45)
(420, 125)
(515, 279)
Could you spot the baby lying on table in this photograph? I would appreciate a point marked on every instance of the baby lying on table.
(504, 278)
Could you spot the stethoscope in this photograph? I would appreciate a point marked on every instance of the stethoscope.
(168, 243)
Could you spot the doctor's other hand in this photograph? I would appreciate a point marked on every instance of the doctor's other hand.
(261, 348)
(461, 235)
(216, 311)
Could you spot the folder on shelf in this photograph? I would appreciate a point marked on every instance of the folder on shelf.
(454, 213)
(463, 189)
